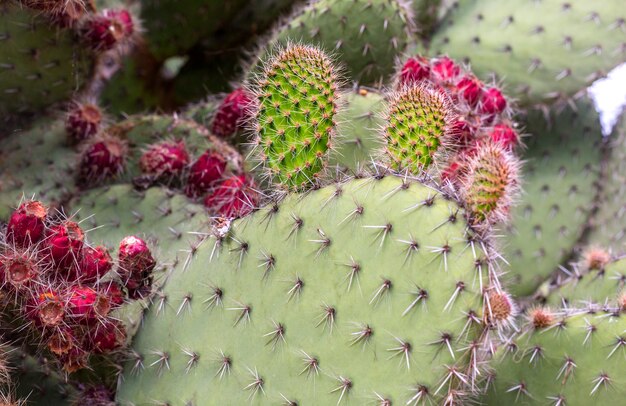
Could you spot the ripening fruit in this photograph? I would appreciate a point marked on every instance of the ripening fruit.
(27, 224)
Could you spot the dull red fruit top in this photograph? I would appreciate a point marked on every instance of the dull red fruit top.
(204, 173)
(48, 308)
(234, 197)
(230, 115)
(82, 122)
(167, 158)
(27, 223)
(102, 159)
(18, 271)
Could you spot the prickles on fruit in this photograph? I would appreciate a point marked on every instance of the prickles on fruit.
(64, 243)
(46, 308)
(95, 262)
(493, 101)
(540, 318)
(27, 223)
(505, 135)
(204, 173)
(86, 304)
(82, 122)
(234, 197)
(107, 29)
(164, 160)
(231, 114)
(445, 70)
(135, 266)
(18, 270)
(102, 158)
(65, 12)
(105, 337)
(414, 70)
(470, 89)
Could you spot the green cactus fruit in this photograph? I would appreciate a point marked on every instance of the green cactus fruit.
(36, 162)
(358, 126)
(41, 63)
(297, 100)
(417, 129)
(560, 180)
(574, 360)
(369, 290)
(174, 26)
(608, 228)
(542, 49)
(366, 35)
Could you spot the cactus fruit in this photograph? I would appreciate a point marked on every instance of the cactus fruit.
(327, 313)
(561, 177)
(83, 121)
(107, 29)
(164, 159)
(230, 116)
(103, 158)
(543, 49)
(297, 100)
(233, 197)
(204, 173)
(562, 359)
(366, 35)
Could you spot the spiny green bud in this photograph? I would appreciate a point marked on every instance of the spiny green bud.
(418, 128)
(297, 102)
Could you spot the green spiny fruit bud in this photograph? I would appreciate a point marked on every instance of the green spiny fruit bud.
(418, 128)
(491, 183)
(295, 121)
(573, 360)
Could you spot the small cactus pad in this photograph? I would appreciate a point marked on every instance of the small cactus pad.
(370, 290)
(417, 128)
(366, 35)
(560, 179)
(297, 102)
(574, 360)
(542, 49)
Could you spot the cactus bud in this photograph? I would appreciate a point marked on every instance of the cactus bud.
(26, 225)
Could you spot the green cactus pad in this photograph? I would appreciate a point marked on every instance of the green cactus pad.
(426, 15)
(369, 288)
(577, 361)
(297, 103)
(561, 172)
(358, 125)
(40, 63)
(36, 162)
(541, 49)
(417, 128)
(366, 35)
(202, 112)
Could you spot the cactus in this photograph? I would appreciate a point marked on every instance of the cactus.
(543, 50)
(571, 359)
(324, 302)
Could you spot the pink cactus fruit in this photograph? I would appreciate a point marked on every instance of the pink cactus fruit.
(64, 243)
(102, 158)
(165, 159)
(445, 70)
(86, 304)
(204, 173)
(234, 197)
(493, 101)
(231, 114)
(27, 223)
(414, 70)
(107, 29)
(504, 135)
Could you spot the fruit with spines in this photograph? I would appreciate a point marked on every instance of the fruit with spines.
(231, 114)
(27, 224)
(107, 29)
(235, 196)
(103, 159)
(165, 159)
(83, 121)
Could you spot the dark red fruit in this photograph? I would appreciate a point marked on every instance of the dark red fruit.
(135, 258)
(231, 114)
(504, 135)
(114, 292)
(470, 89)
(105, 337)
(65, 243)
(107, 29)
(103, 158)
(18, 271)
(493, 102)
(414, 70)
(95, 262)
(86, 304)
(165, 159)
(82, 122)
(47, 308)
(445, 70)
(234, 197)
(204, 173)
(26, 225)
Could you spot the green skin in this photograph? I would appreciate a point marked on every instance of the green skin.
(36, 72)
(592, 287)
(297, 98)
(426, 15)
(544, 378)
(608, 225)
(189, 320)
(37, 162)
(358, 125)
(354, 30)
(560, 175)
(537, 33)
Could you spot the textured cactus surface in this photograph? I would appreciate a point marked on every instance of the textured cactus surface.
(542, 49)
(560, 182)
(574, 360)
(382, 295)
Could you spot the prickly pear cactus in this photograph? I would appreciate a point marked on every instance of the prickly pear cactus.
(543, 49)
(380, 297)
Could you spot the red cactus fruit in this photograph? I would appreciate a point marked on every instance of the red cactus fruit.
(414, 70)
(107, 29)
(47, 308)
(504, 135)
(62, 341)
(65, 243)
(470, 89)
(18, 271)
(95, 262)
(444, 69)
(83, 121)
(135, 258)
(87, 304)
(114, 292)
(105, 337)
(230, 115)
(234, 197)
(204, 173)
(101, 159)
(164, 159)
(493, 102)
(27, 223)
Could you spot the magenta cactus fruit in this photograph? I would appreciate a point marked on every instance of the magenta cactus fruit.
(102, 158)
(204, 173)
(65, 243)
(82, 122)
(234, 197)
(94, 263)
(105, 337)
(107, 29)
(414, 70)
(470, 89)
(231, 113)
(504, 135)
(86, 304)
(166, 159)
(113, 291)
(27, 223)
(135, 266)
(445, 70)
(493, 101)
